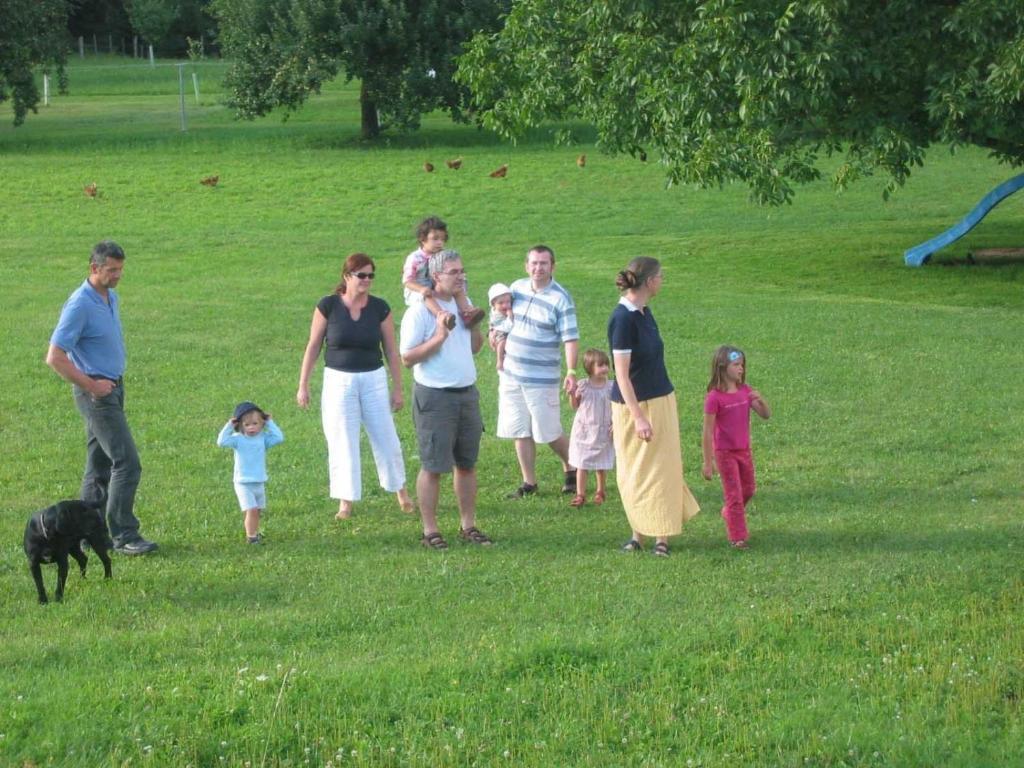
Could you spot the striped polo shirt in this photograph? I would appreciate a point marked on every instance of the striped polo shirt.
(541, 322)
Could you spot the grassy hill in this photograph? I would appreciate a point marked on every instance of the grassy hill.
(874, 621)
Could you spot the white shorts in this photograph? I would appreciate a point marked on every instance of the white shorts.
(528, 412)
(251, 495)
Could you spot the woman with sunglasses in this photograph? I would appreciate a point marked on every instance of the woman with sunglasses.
(357, 332)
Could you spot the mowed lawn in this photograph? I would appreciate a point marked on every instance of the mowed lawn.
(874, 621)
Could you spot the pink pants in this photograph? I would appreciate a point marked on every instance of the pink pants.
(736, 468)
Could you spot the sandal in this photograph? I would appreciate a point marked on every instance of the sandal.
(526, 489)
(599, 497)
(660, 549)
(578, 500)
(475, 536)
(632, 546)
(434, 541)
(740, 544)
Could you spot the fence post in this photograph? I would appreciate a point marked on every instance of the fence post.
(110, 43)
(81, 47)
(135, 46)
(46, 90)
(95, 46)
(181, 94)
(152, 59)
(195, 85)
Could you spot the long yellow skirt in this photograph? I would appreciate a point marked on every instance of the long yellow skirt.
(650, 474)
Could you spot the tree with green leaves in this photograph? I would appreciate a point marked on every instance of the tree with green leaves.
(33, 34)
(759, 90)
(152, 18)
(401, 51)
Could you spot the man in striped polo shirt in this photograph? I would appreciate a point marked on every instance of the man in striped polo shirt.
(543, 320)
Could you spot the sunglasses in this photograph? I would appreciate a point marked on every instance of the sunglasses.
(364, 275)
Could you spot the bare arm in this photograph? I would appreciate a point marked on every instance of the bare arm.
(387, 333)
(707, 444)
(317, 331)
(761, 408)
(571, 352)
(422, 351)
(58, 359)
(643, 427)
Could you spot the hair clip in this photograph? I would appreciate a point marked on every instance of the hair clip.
(735, 355)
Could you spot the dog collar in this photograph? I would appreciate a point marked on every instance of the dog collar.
(42, 525)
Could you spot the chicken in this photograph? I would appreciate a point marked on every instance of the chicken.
(581, 160)
(500, 173)
(454, 164)
(210, 181)
(90, 189)
(428, 167)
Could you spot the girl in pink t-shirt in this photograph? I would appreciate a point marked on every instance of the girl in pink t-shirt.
(726, 438)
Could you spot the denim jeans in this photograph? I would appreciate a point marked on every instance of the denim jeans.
(112, 468)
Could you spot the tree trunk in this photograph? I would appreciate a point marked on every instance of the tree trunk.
(370, 123)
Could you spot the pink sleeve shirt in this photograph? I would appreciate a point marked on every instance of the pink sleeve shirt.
(415, 268)
(732, 418)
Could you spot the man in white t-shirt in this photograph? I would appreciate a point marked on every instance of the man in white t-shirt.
(446, 404)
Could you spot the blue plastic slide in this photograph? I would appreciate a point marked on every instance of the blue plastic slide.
(919, 254)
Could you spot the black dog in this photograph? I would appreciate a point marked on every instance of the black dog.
(58, 531)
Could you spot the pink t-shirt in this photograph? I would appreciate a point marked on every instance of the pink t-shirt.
(732, 417)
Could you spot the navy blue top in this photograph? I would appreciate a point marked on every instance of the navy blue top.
(89, 331)
(353, 346)
(635, 331)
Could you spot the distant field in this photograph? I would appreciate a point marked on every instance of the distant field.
(874, 621)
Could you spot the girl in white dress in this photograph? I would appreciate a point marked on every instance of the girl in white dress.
(590, 442)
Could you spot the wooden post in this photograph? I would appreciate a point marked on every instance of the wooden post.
(152, 59)
(95, 45)
(195, 85)
(135, 46)
(81, 47)
(46, 90)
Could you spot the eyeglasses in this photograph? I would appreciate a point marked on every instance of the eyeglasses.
(454, 272)
(364, 275)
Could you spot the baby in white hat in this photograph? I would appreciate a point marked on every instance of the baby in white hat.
(500, 297)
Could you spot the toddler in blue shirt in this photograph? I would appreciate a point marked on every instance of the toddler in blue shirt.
(250, 432)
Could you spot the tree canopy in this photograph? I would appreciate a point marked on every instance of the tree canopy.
(758, 90)
(33, 34)
(402, 51)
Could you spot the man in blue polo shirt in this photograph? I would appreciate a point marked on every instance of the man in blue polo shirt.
(87, 349)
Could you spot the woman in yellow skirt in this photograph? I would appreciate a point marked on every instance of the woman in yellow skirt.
(645, 423)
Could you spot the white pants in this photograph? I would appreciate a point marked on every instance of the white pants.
(348, 401)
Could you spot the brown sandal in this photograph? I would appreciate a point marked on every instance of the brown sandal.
(475, 536)
(599, 497)
(579, 500)
(434, 541)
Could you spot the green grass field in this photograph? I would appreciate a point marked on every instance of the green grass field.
(875, 621)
